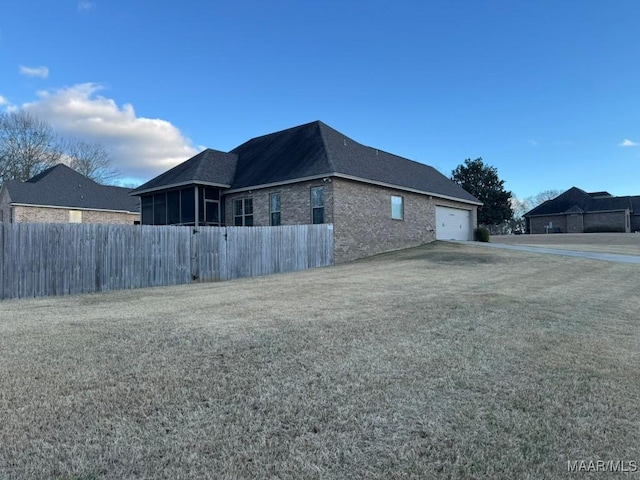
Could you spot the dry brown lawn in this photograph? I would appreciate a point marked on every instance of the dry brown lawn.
(617, 243)
(444, 361)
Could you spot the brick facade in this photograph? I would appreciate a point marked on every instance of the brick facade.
(619, 221)
(28, 214)
(360, 213)
(363, 224)
(295, 203)
(605, 221)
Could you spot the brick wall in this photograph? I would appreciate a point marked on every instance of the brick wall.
(587, 222)
(360, 212)
(295, 203)
(538, 224)
(605, 221)
(363, 225)
(575, 223)
(25, 214)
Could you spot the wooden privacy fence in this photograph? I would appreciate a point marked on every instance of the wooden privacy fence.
(65, 259)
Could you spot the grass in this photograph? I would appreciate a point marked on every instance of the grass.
(445, 361)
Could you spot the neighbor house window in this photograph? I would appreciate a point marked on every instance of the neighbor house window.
(274, 209)
(317, 205)
(75, 216)
(243, 212)
(397, 207)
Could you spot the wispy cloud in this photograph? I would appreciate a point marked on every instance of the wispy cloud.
(40, 72)
(533, 143)
(141, 147)
(85, 6)
(628, 143)
(3, 100)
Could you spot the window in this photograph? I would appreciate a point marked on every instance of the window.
(317, 205)
(173, 207)
(212, 213)
(243, 212)
(274, 209)
(160, 209)
(75, 216)
(397, 208)
(188, 205)
(147, 210)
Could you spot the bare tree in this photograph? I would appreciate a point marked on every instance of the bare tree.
(91, 160)
(543, 197)
(27, 146)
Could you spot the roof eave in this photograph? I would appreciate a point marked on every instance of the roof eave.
(179, 184)
(354, 178)
(69, 207)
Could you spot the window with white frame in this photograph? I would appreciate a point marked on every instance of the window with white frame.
(274, 209)
(317, 205)
(397, 207)
(243, 212)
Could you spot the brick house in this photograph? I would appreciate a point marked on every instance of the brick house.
(576, 211)
(312, 173)
(62, 195)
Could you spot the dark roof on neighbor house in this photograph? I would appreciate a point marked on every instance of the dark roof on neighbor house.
(61, 186)
(576, 200)
(304, 152)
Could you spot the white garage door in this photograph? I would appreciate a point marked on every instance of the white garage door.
(453, 224)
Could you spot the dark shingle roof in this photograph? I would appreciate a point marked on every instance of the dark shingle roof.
(62, 186)
(209, 166)
(309, 150)
(316, 149)
(575, 200)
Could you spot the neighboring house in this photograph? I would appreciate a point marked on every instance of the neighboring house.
(62, 195)
(576, 211)
(312, 173)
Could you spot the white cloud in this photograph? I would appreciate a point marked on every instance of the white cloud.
(3, 100)
(140, 147)
(86, 6)
(533, 143)
(41, 72)
(628, 143)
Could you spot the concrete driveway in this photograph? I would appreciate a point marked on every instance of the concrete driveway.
(609, 257)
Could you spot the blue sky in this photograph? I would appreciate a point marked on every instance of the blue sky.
(548, 92)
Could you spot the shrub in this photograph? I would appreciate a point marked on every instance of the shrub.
(481, 234)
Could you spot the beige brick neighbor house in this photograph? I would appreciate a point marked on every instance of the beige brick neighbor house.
(62, 195)
(308, 174)
(576, 211)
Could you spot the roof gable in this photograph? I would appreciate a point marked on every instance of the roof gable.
(61, 186)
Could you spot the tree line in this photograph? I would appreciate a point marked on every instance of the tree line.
(28, 146)
(501, 211)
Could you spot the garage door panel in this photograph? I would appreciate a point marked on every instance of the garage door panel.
(453, 223)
